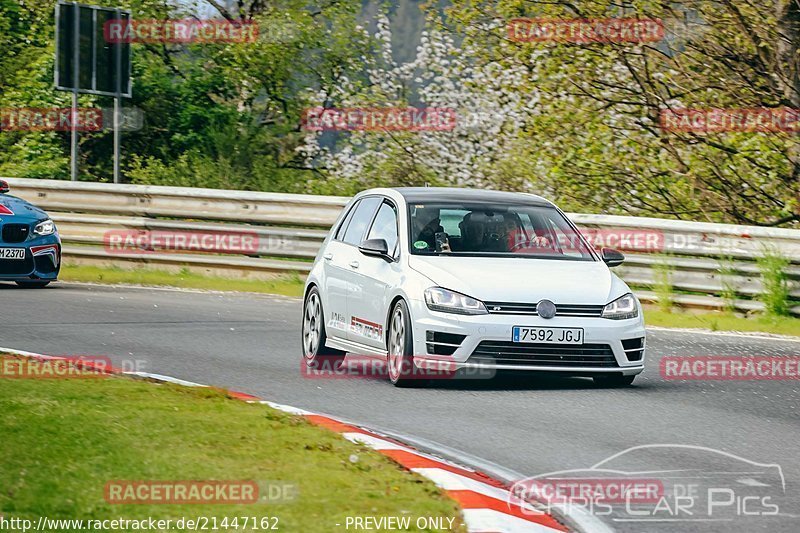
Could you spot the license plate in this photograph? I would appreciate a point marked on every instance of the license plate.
(12, 253)
(547, 335)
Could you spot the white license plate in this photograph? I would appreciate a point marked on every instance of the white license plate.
(12, 253)
(547, 335)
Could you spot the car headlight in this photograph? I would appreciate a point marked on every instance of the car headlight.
(622, 308)
(46, 227)
(439, 299)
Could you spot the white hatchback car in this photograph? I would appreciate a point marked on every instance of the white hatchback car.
(469, 279)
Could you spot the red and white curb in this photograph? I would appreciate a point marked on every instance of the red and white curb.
(486, 503)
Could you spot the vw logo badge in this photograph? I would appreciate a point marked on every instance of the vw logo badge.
(546, 309)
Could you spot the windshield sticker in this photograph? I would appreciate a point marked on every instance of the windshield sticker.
(420, 245)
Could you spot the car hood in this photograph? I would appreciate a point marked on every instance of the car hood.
(13, 209)
(511, 279)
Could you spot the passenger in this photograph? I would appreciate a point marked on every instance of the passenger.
(472, 232)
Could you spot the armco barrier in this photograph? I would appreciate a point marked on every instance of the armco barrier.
(180, 202)
(702, 259)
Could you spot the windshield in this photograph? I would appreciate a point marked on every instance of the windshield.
(489, 229)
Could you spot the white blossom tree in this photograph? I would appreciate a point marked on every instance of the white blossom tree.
(493, 102)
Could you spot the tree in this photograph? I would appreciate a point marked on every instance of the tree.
(603, 148)
(216, 114)
(491, 102)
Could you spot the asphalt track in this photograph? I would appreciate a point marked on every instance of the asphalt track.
(530, 425)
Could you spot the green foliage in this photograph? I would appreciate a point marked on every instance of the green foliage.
(723, 321)
(215, 115)
(775, 282)
(662, 286)
(597, 142)
(290, 284)
(232, 156)
(729, 294)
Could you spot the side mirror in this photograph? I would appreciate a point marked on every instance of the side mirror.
(3, 186)
(375, 248)
(612, 257)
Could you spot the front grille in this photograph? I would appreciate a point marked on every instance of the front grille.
(552, 355)
(440, 343)
(633, 348)
(15, 267)
(15, 232)
(515, 308)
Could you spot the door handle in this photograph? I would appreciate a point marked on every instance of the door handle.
(328, 256)
(353, 264)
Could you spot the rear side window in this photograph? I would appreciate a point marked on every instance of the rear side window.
(343, 227)
(362, 215)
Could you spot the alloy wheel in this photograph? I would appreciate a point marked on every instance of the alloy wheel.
(311, 326)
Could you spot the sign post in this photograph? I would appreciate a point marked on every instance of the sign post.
(118, 91)
(90, 63)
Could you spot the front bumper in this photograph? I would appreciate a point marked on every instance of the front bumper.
(601, 336)
(42, 260)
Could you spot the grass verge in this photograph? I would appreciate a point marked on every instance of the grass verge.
(722, 322)
(287, 285)
(64, 439)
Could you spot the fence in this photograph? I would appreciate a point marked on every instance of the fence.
(702, 260)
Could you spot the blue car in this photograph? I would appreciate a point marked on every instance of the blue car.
(30, 249)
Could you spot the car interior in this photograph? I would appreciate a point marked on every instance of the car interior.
(482, 229)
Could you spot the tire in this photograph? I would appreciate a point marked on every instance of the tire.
(32, 284)
(400, 347)
(313, 336)
(613, 381)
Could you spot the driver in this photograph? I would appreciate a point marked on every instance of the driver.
(517, 239)
(427, 225)
(515, 235)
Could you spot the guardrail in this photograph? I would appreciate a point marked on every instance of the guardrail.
(702, 260)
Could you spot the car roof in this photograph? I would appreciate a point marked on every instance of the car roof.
(455, 194)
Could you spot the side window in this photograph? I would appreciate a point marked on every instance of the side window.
(343, 226)
(362, 215)
(385, 226)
